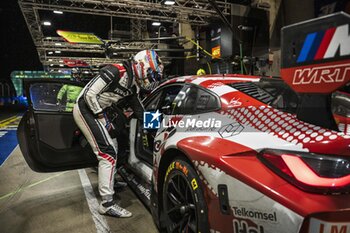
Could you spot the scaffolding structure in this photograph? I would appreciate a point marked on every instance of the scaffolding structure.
(194, 12)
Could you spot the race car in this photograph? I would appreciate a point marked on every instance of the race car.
(221, 153)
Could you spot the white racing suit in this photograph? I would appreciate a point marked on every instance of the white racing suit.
(113, 83)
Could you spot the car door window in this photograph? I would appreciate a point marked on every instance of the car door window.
(153, 104)
(166, 104)
(54, 96)
(193, 100)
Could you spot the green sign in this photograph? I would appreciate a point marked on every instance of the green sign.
(80, 37)
(17, 76)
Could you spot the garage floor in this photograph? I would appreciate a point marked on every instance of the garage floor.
(33, 202)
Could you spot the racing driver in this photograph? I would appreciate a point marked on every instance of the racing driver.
(114, 83)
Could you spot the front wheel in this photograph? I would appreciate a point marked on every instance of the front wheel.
(184, 204)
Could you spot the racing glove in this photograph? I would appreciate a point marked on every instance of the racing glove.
(105, 122)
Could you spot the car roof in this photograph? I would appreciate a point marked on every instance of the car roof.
(208, 80)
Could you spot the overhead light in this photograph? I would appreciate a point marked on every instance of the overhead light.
(50, 60)
(47, 23)
(61, 65)
(169, 2)
(51, 64)
(115, 54)
(156, 24)
(61, 61)
(50, 53)
(57, 51)
(58, 12)
(58, 44)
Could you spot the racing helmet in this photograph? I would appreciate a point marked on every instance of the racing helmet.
(148, 69)
(201, 72)
(76, 73)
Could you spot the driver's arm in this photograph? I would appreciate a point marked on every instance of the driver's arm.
(136, 106)
(105, 77)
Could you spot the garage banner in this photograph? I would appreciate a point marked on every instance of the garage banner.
(75, 63)
(80, 37)
(216, 52)
(215, 43)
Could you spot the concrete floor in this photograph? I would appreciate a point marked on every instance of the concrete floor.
(33, 202)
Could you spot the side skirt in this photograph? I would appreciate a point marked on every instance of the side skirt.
(141, 188)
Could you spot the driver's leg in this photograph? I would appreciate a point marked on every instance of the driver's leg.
(103, 147)
(101, 144)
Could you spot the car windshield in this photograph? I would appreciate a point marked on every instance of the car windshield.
(271, 91)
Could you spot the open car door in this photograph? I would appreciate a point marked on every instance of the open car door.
(47, 134)
(142, 140)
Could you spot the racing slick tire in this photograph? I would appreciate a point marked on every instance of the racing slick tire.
(184, 204)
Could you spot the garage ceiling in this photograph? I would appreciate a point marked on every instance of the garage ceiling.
(136, 13)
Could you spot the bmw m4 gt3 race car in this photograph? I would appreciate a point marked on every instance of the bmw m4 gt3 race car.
(227, 153)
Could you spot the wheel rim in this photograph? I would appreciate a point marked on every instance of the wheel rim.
(180, 206)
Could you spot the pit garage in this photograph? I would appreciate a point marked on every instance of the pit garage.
(220, 116)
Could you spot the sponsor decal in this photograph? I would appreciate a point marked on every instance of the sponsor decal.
(246, 220)
(170, 168)
(194, 184)
(144, 191)
(141, 189)
(319, 226)
(230, 130)
(180, 167)
(322, 74)
(323, 63)
(254, 214)
(325, 44)
(145, 141)
(241, 226)
(235, 103)
(157, 145)
(121, 92)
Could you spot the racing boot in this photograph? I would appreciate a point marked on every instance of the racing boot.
(110, 208)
